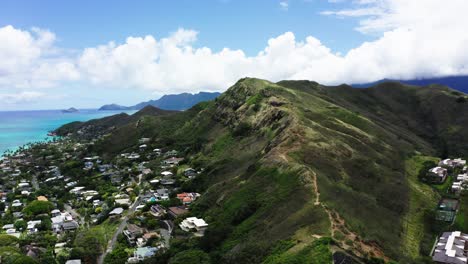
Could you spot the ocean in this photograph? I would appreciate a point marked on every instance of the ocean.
(18, 128)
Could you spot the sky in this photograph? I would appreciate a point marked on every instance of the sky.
(59, 54)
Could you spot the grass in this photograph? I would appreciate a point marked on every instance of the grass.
(442, 189)
(317, 252)
(422, 198)
(461, 222)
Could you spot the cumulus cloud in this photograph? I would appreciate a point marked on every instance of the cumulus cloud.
(29, 59)
(414, 40)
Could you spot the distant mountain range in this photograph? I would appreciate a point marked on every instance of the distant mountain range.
(181, 101)
(459, 83)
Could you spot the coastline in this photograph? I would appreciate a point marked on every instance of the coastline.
(19, 128)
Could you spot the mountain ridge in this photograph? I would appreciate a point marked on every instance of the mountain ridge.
(181, 101)
(296, 162)
(459, 83)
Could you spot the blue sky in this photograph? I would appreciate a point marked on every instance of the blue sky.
(245, 25)
(56, 54)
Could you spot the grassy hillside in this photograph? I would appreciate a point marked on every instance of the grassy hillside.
(295, 169)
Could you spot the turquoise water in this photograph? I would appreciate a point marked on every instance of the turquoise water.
(20, 127)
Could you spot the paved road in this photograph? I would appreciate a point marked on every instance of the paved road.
(166, 232)
(119, 230)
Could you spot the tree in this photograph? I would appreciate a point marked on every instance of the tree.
(21, 225)
(118, 255)
(90, 243)
(8, 241)
(38, 207)
(191, 256)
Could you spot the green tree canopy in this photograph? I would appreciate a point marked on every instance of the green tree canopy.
(38, 207)
(191, 256)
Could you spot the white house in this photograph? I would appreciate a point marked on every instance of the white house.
(450, 248)
(194, 224)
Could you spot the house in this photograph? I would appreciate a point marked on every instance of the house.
(451, 248)
(171, 153)
(23, 185)
(158, 210)
(133, 232)
(172, 161)
(55, 212)
(190, 173)
(134, 156)
(8, 226)
(42, 198)
(154, 181)
(166, 173)
(77, 190)
(13, 232)
(167, 181)
(16, 203)
(187, 198)
(177, 211)
(458, 186)
(103, 168)
(63, 221)
(452, 163)
(193, 224)
(142, 241)
(32, 226)
(124, 201)
(437, 174)
(73, 261)
(70, 225)
(162, 194)
(157, 151)
(142, 253)
(462, 177)
(117, 211)
(97, 203)
(144, 140)
(88, 165)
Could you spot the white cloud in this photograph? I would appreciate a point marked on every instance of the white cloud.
(414, 40)
(30, 59)
(21, 97)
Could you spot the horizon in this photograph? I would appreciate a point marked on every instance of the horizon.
(50, 58)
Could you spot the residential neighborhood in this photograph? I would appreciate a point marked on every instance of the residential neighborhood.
(450, 178)
(134, 202)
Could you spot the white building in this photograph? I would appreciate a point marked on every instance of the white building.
(194, 224)
(452, 163)
(451, 248)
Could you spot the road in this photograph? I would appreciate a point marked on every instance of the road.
(119, 231)
(166, 233)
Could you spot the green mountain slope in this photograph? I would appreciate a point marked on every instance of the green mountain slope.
(290, 164)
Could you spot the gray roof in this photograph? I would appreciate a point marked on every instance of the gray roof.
(451, 248)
